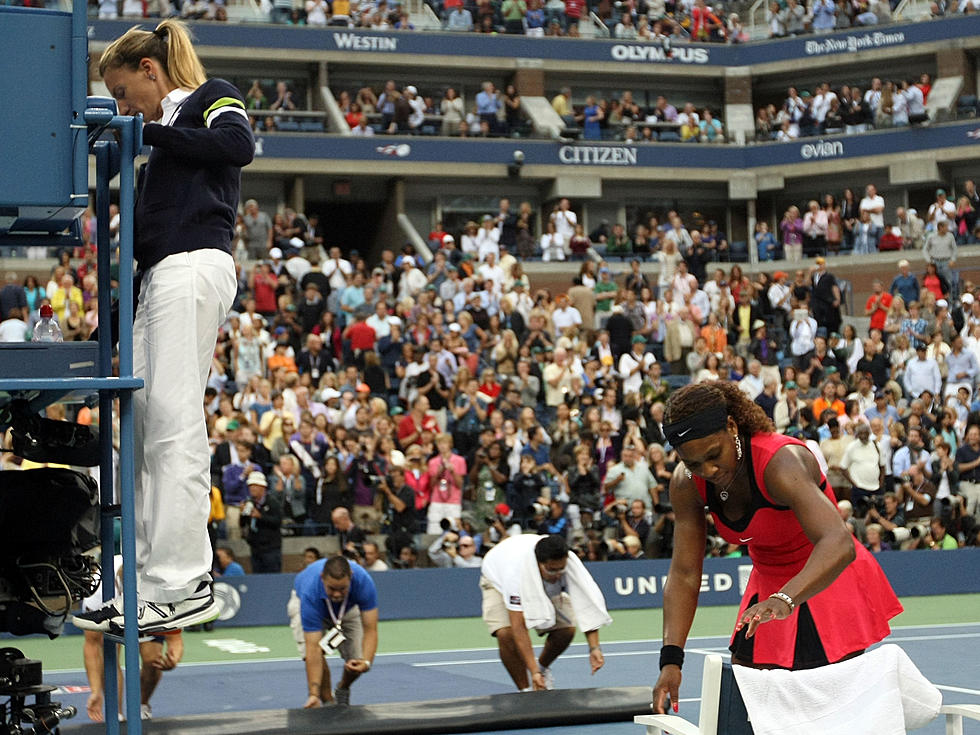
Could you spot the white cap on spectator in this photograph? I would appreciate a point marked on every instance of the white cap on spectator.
(942, 304)
(330, 393)
(297, 242)
(448, 238)
(396, 458)
(411, 90)
(454, 327)
(275, 253)
(256, 478)
(966, 298)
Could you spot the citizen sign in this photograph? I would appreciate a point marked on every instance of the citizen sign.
(682, 54)
(597, 155)
(822, 149)
(365, 43)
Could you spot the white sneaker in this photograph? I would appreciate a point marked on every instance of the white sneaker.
(159, 617)
(549, 678)
(146, 712)
(101, 618)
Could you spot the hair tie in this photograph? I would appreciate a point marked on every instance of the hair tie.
(160, 33)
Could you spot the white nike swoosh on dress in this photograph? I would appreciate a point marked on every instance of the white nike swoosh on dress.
(745, 540)
(682, 433)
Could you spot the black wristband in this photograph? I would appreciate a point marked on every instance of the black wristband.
(672, 655)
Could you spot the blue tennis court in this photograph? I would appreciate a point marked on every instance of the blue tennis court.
(948, 655)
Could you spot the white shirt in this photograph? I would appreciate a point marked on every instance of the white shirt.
(411, 283)
(802, 334)
(565, 221)
(336, 272)
(487, 241)
(628, 361)
(13, 330)
(564, 318)
(495, 273)
(872, 203)
(862, 462)
(504, 564)
(381, 327)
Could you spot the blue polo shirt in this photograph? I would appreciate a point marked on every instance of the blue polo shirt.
(313, 597)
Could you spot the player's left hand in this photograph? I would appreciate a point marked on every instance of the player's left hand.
(596, 659)
(357, 665)
(769, 609)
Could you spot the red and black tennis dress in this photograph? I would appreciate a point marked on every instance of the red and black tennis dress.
(848, 616)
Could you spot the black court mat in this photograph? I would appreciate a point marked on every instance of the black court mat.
(561, 707)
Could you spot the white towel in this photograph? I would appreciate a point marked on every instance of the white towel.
(586, 597)
(879, 693)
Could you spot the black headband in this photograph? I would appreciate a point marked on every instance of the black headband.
(697, 425)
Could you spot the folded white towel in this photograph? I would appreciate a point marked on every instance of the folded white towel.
(879, 693)
(586, 597)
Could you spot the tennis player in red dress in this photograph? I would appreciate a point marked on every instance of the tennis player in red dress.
(815, 595)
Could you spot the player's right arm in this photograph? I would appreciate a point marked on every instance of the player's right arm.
(683, 580)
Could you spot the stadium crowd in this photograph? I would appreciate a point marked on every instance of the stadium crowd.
(621, 116)
(452, 398)
(664, 22)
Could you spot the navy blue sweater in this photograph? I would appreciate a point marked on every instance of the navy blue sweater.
(188, 192)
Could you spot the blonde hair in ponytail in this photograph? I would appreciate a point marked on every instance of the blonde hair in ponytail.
(169, 43)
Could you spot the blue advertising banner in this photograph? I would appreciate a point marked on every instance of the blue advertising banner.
(447, 593)
(408, 151)
(380, 43)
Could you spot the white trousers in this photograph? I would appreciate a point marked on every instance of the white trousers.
(183, 300)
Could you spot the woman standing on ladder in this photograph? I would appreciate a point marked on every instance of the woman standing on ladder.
(815, 595)
(187, 200)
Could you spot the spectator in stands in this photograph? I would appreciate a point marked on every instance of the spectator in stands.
(459, 19)
(261, 519)
(939, 249)
(452, 549)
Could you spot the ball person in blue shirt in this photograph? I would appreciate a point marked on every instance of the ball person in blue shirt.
(338, 612)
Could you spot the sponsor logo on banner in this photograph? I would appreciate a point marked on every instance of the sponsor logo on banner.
(653, 52)
(357, 42)
(597, 155)
(852, 43)
(652, 585)
(399, 151)
(228, 599)
(822, 149)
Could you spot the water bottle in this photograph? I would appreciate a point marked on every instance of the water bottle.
(47, 330)
(443, 488)
(489, 492)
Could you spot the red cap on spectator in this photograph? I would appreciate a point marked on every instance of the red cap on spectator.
(363, 388)
(502, 509)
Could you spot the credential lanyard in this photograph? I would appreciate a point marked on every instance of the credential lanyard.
(343, 609)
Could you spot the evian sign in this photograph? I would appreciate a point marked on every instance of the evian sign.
(652, 52)
(822, 149)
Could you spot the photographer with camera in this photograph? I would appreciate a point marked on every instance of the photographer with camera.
(489, 474)
(916, 495)
(447, 472)
(888, 514)
(261, 519)
(454, 550)
(338, 611)
(363, 476)
(528, 489)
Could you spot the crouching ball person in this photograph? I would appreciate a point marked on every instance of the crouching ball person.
(533, 582)
(337, 611)
(184, 217)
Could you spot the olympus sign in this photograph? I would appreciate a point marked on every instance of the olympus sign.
(682, 54)
(598, 155)
(822, 149)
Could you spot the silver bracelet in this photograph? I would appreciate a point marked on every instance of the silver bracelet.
(785, 598)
